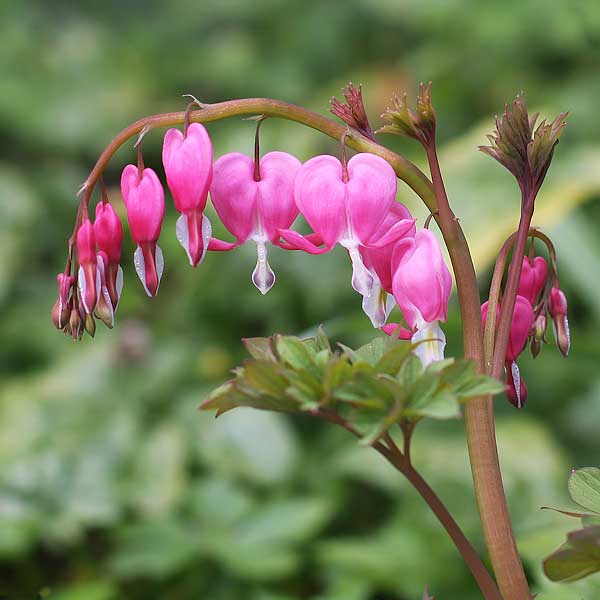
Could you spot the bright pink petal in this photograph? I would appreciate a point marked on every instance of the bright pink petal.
(371, 192)
(276, 204)
(234, 193)
(188, 166)
(296, 241)
(321, 197)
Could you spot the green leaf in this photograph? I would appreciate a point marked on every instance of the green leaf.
(260, 348)
(322, 340)
(411, 371)
(222, 399)
(372, 352)
(576, 559)
(584, 488)
(266, 377)
(393, 359)
(295, 353)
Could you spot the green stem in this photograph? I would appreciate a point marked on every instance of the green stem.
(479, 412)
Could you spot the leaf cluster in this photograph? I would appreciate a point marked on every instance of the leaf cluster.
(374, 387)
(580, 555)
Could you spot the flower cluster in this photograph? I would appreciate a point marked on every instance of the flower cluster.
(347, 203)
(538, 295)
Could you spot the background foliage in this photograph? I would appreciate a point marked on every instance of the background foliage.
(112, 485)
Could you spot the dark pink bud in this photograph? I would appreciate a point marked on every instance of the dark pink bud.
(62, 310)
(88, 274)
(515, 389)
(145, 202)
(109, 232)
(558, 311)
(187, 159)
(533, 278)
(520, 328)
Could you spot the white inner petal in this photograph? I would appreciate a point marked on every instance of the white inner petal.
(262, 276)
(119, 284)
(362, 279)
(516, 375)
(375, 304)
(183, 235)
(433, 342)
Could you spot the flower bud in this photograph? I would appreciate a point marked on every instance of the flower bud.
(557, 307)
(88, 274)
(533, 278)
(61, 310)
(539, 334)
(515, 388)
(145, 202)
(109, 238)
(76, 325)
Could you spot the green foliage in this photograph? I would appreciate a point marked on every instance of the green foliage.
(580, 555)
(374, 387)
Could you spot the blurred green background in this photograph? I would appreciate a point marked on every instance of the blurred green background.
(112, 485)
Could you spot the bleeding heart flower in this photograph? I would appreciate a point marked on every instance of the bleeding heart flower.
(557, 307)
(109, 238)
(421, 285)
(378, 303)
(347, 206)
(520, 328)
(88, 276)
(145, 202)
(187, 159)
(533, 278)
(255, 206)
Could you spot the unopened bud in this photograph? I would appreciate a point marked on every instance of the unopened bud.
(539, 334)
(558, 311)
(75, 324)
(90, 325)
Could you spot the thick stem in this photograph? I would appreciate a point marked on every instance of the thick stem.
(402, 464)
(479, 412)
(405, 170)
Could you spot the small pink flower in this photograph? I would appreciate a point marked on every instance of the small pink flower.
(187, 159)
(88, 275)
(254, 209)
(378, 260)
(558, 311)
(347, 208)
(533, 278)
(109, 238)
(145, 202)
(421, 285)
(520, 329)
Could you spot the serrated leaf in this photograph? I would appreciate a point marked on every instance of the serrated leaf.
(576, 559)
(393, 359)
(260, 348)
(372, 352)
(411, 371)
(322, 340)
(295, 353)
(265, 377)
(584, 488)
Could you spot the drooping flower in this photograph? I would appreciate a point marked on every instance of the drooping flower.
(187, 160)
(347, 206)
(533, 278)
(88, 276)
(145, 202)
(557, 307)
(520, 328)
(378, 260)
(421, 285)
(61, 310)
(255, 205)
(109, 238)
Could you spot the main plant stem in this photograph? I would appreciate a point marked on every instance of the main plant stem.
(479, 413)
(401, 461)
